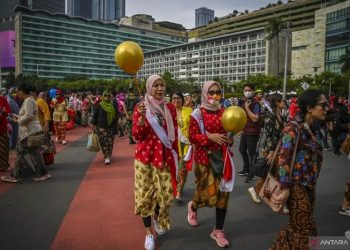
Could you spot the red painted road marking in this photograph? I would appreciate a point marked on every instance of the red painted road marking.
(101, 216)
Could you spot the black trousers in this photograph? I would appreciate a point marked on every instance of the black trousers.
(247, 148)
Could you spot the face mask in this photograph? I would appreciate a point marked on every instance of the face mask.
(214, 100)
(248, 94)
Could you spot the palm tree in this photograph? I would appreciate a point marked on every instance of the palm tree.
(273, 30)
(344, 61)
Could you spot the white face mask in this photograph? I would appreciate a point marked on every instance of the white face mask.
(248, 94)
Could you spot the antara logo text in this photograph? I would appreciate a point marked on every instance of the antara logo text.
(334, 243)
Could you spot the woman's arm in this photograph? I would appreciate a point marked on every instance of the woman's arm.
(195, 135)
(286, 155)
(140, 128)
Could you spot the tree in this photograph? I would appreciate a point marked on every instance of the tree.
(344, 61)
(216, 19)
(273, 30)
(279, 2)
(235, 12)
(246, 11)
(10, 79)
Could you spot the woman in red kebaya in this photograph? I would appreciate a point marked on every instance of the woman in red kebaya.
(214, 182)
(4, 138)
(156, 158)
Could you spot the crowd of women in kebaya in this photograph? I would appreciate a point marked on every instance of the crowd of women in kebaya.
(182, 135)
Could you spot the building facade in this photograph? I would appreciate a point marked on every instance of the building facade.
(318, 49)
(80, 8)
(300, 13)
(108, 10)
(204, 16)
(56, 45)
(231, 57)
(337, 35)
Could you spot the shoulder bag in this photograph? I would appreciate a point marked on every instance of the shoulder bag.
(272, 187)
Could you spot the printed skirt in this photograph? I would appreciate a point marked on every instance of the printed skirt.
(106, 139)
(153, 186)
(4, 151)
(301, 223)
(208, 192)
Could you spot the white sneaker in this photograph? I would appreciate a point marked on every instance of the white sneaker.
(254, 195)
(149, 242)
(107, 161)
(345, 212)
(158, 228)
(64, 142)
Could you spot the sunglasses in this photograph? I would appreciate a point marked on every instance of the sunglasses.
(323, 105)
(214, 92)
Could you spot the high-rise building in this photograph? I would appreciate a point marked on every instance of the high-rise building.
(204, 16)
(55, 46)
(82, 8)
(55, 6)
(108, 10)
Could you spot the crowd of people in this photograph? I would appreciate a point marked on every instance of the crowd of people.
(182, 132)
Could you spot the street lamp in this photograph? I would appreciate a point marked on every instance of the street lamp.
(287, 36)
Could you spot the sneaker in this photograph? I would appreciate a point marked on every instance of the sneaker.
(249, 179)
(107, 161)
(243, 173)
(219, 237)
(64, 142)
(159, 230)
(345, 211)
(254, 195)
(149, 242)
(9, 178)
(43, 177)
(191, 215)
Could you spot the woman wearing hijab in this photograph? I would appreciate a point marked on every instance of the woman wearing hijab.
(60, 116)
(155, 129)
(104, 123)
(214, 178)
(183, 121)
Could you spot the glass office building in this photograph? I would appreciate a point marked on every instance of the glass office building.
(337, 37)
(56, 45)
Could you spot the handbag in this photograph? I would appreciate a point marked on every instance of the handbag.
(49, 145)
(346, 145)
(93, 143)
(216, 162)
(36, 140)
(272, 187)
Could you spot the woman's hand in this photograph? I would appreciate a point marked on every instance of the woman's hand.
(218, 138)
(269, 158)
(142, 109)
(282, 197)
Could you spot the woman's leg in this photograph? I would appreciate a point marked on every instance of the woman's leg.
(220, 218)
(63, 129)
(57, 131)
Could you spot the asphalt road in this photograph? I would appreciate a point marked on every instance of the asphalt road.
(90, 206)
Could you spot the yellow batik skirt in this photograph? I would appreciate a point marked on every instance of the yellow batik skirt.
(208, 192)
(153, 186)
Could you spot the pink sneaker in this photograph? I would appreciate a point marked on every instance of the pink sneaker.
(191, 215)
(219, 237)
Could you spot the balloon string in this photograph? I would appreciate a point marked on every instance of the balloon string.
(137, 85)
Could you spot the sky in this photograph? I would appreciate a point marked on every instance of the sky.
(183, 11)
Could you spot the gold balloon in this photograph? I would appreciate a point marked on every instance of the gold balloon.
(129, 57)
(234, 119)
